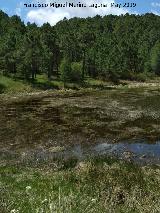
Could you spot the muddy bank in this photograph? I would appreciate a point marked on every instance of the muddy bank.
(68, 118)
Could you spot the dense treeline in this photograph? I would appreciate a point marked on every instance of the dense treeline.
(109, 47)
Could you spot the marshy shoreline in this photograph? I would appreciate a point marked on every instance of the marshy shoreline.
(88, 150)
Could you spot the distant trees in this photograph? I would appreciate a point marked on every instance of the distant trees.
(71, 72)
(65, 70)
(11, 33)
(76, 72)
(29, 52)
(155, 58)
(109, 47)
(50, 50)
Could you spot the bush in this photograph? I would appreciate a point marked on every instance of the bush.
(141, 77)
(114, 77)
(128, 75)
(147, 67)
(76, 72)
(65, 70)
(70, 72)
(155, 58)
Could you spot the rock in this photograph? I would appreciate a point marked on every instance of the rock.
(83, 166)
(56, 149)
(127, 154)
(143, 156)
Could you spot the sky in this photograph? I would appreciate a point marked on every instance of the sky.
(53, 15)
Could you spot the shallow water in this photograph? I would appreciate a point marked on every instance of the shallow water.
(135, 150)
(138, 151)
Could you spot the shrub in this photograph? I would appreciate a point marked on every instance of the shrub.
(76, 72)
(70, 72)
(141, 77)
(155, 58)
(114, 77)
(65, 70)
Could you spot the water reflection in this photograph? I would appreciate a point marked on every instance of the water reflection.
(138, 151)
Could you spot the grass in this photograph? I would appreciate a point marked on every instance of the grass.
(95, 83)
(9, 85)
(42, 82)
(95, 185)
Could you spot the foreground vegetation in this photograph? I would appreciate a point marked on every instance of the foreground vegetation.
(95, 185)
(53, 120)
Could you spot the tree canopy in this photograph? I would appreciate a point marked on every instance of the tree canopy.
(110, 47)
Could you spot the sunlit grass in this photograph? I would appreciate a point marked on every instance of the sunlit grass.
(99, 185)
(8, 85)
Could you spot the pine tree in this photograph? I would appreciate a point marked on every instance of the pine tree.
(155, 58)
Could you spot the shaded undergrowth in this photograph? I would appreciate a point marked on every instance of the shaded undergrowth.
(2, 88)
